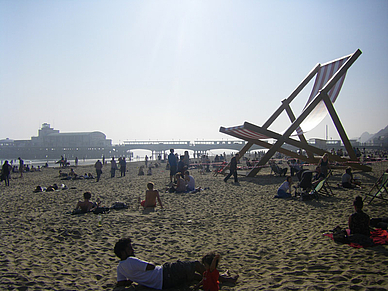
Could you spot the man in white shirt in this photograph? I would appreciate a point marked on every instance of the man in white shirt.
(132, 269)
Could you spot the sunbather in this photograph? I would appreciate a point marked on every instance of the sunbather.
(87, 205)
(151, 197)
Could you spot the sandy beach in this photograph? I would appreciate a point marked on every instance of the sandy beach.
(272, 244)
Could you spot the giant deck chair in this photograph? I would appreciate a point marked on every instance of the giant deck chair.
(328, 83)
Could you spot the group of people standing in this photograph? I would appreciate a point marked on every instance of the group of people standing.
(7, 169)
(113, 167)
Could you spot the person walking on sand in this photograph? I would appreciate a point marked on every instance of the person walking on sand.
(98, 166)
(233, 169)
(151, 197)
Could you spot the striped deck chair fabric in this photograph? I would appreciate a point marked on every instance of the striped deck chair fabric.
(325, 73)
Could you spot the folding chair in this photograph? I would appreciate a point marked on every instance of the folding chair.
(323, 188)
(277, 170)
(328, 83)
(381, 185)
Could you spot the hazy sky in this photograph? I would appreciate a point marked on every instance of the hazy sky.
(165, 70)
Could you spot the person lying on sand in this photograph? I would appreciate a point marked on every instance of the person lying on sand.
(151, 196)
(87, 205)
(52, 188)
(131, 269)
(62, 174)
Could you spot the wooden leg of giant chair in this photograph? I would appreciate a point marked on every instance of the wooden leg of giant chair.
(339, 127)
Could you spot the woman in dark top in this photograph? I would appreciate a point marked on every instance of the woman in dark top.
(359, 221)
(324, 164)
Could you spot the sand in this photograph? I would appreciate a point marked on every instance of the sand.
(272, 244)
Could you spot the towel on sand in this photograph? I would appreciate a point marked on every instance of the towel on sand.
(379, 237)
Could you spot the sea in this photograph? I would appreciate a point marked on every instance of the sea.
(138, 156)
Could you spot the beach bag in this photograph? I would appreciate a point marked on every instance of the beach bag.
(101, 210)
(340, 235)
(119, 205)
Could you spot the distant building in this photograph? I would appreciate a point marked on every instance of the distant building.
(49, 137)
(51, 144)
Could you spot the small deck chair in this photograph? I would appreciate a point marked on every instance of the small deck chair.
(323, 188)
(277, 170)
(328, 82)
(381, 185)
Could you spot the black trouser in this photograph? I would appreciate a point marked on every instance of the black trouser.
(234, 173)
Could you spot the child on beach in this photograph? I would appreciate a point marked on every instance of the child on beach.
(211, 276)
(286, 186)
(151, 196)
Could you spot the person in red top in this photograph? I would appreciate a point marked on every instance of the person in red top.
(211, 276)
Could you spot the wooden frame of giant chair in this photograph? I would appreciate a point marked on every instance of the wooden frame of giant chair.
(285, 138)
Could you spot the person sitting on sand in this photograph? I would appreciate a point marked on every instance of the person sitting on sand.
(141, 171)
(286, 186)
(190, 182)
(359, 221)
(169, 275)
(180, 183)
(149, 171)
(87, 205)
(359, 224)
(347, 179)
(73, 174)
(211, 276)
(151, 196)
